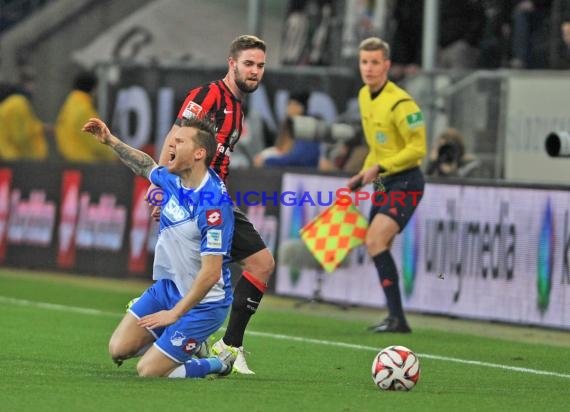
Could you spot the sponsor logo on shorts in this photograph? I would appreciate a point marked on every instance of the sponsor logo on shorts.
(190, 346)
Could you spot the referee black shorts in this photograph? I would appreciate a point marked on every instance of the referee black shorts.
(246, 240)
(399, 197)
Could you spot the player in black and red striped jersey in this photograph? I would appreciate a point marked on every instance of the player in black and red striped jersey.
(216, 102)
(221, 103)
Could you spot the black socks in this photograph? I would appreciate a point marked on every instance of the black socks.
(247, 296)
(388, 274)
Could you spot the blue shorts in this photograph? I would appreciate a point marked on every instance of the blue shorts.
(400, 196)
(182, 339)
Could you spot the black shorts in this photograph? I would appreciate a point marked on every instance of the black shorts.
(246, 240)
(401, 196)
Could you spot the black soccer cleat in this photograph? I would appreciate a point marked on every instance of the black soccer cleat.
(395, 325)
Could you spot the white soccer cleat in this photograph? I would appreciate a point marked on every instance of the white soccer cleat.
(240, 365)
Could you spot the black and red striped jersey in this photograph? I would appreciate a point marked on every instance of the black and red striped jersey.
(216, 103)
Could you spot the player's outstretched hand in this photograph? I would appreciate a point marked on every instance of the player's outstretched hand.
(158, 319)
(98, 129)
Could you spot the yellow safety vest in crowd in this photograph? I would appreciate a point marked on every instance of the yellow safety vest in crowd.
(21, 132)
(73, 144)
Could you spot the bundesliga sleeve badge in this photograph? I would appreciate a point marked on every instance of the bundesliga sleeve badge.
(192, 110)
(214, 239)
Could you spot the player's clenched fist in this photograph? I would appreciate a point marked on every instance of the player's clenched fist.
(98, 129)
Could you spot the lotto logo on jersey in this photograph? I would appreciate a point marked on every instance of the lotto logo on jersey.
(214, 217)
(193, 110)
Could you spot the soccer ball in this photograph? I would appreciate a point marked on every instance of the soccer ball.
(396, 368)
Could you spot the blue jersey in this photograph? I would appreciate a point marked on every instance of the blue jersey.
(193, 222)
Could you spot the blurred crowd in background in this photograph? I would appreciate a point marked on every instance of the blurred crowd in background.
(473, 35)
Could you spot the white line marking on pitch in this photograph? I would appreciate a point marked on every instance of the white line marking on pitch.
(55, 306)
(421, 355)
(97, 312)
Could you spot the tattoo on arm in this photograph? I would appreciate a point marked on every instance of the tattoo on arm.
(139, 162)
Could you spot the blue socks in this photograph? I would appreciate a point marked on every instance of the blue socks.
(197, 368)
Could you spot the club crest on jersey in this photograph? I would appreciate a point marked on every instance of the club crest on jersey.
(214, 239)
(381, 137)
(193, 110)
(214, 217)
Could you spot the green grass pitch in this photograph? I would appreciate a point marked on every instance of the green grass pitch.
(54, 331)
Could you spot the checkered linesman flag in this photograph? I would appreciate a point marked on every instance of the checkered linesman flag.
(333, 233)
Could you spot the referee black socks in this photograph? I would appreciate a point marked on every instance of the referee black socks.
(388, 274)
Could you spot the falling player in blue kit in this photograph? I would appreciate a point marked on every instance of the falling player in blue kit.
(191, 296)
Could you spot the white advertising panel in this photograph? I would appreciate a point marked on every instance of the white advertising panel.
(475, 252)
(537, 104)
